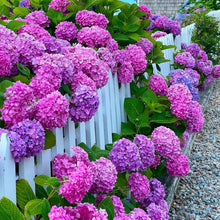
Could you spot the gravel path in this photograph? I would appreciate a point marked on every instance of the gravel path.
(198, 193)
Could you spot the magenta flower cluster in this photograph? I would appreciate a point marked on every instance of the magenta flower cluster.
(38, 17)
(90, 18)
(158, 34)
(145, 44)
(185, 59)
(158, 85)
(60, 5)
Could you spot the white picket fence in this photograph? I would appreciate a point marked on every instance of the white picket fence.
(98, 130)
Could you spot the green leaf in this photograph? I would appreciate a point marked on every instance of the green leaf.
(66, 88)
(50, 139)
(127, 129)
(21, 11)
(107, 204)
(160, 60)
(159, 171)
(135, 90)
(133, 107)
(2, 99)
(91, 154)
(132, 27)
(162, 118)
(24, 193)
(148, 173)
(9, 211)
(41, 180)
(55, 16)
(142, 120)
(23, 70)
(53, 181)
(15, 25)
(164, 47)
(149, 97)
(120, 37)
(115, 137)
(102, 153)
(6, 3)
(20, 78)
(90, 198)
(45, 209)
(128, 206)
(5, 11)
(121, 180)
(40, 192)
(95, 148)
(33, 207)
(109, 147)
(4, 85)
(134, 36)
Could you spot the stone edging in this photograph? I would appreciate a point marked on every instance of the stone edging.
(170, 182)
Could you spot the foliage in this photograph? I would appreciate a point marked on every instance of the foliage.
(207, 36)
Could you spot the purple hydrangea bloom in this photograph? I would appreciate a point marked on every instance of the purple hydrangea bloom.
(90, 18)
(66, 30)
(185, 59)
(52, 111)
(158, 34)
(165, 141)
(192, 75)
(60, 5)
(84, 104)
(205, 67)
(146, 151)
(208, 80)
(156, 212)
(163, 23)
(112, 45)
(157, 191)
(139, 186)
(177, 164)
(151, 26)
(185, 139)
(145, 44)
(183, 46)
(125, 156)
(17, 145)
(33, 134)
(195, 93)
(93, 36)
(19, 103)
(216, 71)
(38, 17)
(202, 56)
(139, 214)
(158, 85)
(5, 64)
(156, 161)
(51, 43)
(105, 176)
(175, 28)
(194, 49)
(195, 117)
(179, 109)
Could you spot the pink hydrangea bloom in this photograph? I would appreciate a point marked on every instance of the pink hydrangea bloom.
(105, 176)
(194, 49)
(84, 104)
(18, 105)
(125, 73)
(139, 186)
(156, 161)
(85, 211)
(165, 141)
(137, 57)
(177, 164)
(66, 30)
(216, 71)
(146, 151)
(78, 184)
(51, 43)
(145, 44)
(157, 191)
(5, 64)
(205, 67)
(156, 212)
(185, 59)
(202, 56)
(60, 5)
(65, 65)
(158, 85)
(29, 48)
(180, 110)
(139, 214)
(183, 142)
(58, 213)
(7, 35)
(82, 79)
(93, 36)
(125, 156)
(90, 18)
(52, 111)
(41, 86)
(146, 10)
(38, 17)
(35, 30)
(195, 117)
(112, 45)
(122, 217)
(49, 71)
(163, 23)
(158, 34)
(179, 93)
(175, 28)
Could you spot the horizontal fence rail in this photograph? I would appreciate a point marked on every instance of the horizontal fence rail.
(98, 130)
